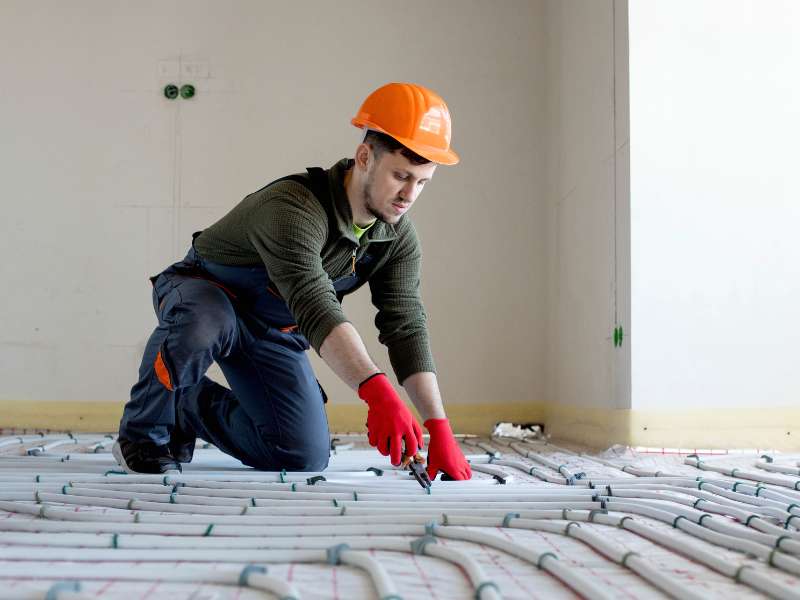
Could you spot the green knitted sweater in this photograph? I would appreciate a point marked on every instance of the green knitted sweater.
(307, 243)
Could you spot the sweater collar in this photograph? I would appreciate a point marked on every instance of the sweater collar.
(380, 232)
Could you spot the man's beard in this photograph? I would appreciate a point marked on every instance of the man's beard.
(369, 200)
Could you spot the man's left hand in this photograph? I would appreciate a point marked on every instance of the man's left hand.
(444, 453)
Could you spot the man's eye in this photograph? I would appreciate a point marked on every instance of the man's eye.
(400, 176)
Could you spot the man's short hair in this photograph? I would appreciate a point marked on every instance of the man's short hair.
(380, 143)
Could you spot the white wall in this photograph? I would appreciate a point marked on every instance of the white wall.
(715, 203)
(586, 195)
(104, 179)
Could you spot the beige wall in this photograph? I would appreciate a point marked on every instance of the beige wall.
(104, 179)
(706, 279)
(585, 189)
(716, 205)
(527, 242)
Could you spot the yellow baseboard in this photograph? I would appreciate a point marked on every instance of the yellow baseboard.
(105, 416)
(775, 428)
(56, 415)
(769, 428)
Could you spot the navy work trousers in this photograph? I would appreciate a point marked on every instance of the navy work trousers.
(273, 417)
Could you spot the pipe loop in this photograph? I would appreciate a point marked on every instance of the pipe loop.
(418, 545)
(483, 585)
(570, 524)
(62, 586)
(509, 516)
(770, 557)
(245, 574)
(738, 574)
(596, 511)
(542, 557)
(333, 554)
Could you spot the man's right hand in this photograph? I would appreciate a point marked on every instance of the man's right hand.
(389, 421)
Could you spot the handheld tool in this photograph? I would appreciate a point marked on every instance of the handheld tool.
(416, 464)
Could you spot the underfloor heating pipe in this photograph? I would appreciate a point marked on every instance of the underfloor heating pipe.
(719, 503)
(770, 465)
(193, 549)
(629, 560)
(121, 541)
(783, 490)
(741, 573)
(774, 557)
(787, 482)
(251, 576)
(319, 549)
(747, 487)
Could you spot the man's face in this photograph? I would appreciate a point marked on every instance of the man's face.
(392, 185)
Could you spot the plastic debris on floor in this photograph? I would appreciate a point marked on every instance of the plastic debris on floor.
(536, 521)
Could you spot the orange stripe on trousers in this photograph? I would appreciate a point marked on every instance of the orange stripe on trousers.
(162, 373)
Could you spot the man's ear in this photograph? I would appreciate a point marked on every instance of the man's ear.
(363, 153)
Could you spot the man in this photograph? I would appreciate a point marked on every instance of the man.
(265, 282)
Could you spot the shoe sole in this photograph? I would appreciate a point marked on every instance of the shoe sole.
(116, 451)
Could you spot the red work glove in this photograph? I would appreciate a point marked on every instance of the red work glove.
(389, 422)
(443, 451)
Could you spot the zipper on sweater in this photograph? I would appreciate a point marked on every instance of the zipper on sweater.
(354, 261)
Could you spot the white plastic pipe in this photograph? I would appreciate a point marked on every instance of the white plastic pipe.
(242, 577)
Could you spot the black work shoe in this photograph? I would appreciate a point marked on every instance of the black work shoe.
(144, 457)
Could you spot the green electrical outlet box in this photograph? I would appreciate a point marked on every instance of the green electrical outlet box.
(187, 91)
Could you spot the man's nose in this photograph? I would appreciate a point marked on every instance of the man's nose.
(409, 192)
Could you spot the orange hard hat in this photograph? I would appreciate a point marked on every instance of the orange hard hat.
(413, 115)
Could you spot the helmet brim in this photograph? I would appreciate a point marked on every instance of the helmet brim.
(437, 155)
